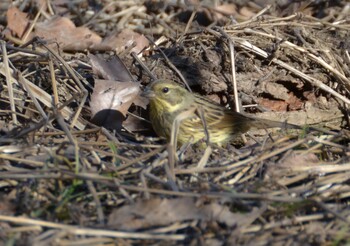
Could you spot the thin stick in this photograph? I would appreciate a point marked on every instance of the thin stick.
(133, 54)
(233, 71)
(170, 64)
(73, 73)
(45, 98)
(33, 23)
(100, 214)
(9, 82)
(32, 96)
(89, 231)
(188, 25)
(54, 83)
(233, 68)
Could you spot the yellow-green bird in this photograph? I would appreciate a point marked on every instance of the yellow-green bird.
(169, 102)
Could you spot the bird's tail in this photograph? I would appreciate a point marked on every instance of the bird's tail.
(265, 124)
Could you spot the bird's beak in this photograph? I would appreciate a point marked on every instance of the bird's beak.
(148, 93)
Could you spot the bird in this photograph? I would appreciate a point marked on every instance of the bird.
(198, 117)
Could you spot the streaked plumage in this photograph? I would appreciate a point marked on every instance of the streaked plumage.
(168, 100)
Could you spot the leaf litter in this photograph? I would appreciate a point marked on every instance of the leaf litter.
(160, 212)
(67, 181)
(112, 96)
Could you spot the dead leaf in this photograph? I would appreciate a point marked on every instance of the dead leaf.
(124, 40)
(17, 21)
(111, 100)
(274, 105)
(135, 124)
(160, 212)
(63, 31)
(247, 13)
(288, 100)
(225, 9)
(295, 160)
(141, 101)
(115, 95)
(114, 69)
(278, 91)
(292, 163)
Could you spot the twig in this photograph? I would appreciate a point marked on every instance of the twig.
(83, 231)
(170, 64)
(9, 81)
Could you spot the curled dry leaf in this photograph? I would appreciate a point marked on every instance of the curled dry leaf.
(63, 31)
(160, 212)
(17, 21)
(112, 97)
(115, 69)
(111, 100)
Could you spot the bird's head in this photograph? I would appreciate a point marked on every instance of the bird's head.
(167, 95)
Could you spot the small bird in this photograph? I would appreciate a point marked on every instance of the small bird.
(198, 115)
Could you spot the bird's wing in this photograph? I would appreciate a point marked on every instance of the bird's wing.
(218, 117)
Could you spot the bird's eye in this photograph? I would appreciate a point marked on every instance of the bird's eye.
(165, 90)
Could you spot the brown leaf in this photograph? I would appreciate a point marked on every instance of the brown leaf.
(111, 100)
(293, 162)
(247, 12)
(294, 102)
(225, 9)
(114, 69)
(278, 91)
(124, 40)
(159, 212)
(69, 37)
(274, 105)
(135, 124)
(141, 101)
(17, 21)
(291, 102)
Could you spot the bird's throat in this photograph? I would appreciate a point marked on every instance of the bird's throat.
(166, 106)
